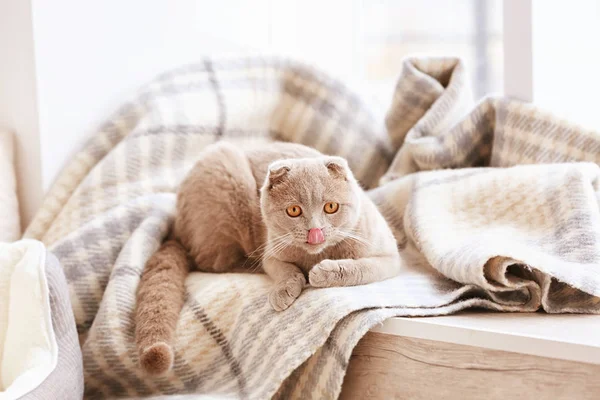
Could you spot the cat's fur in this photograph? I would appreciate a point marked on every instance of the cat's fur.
(231, 211)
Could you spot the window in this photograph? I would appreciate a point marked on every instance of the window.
(552, 54)
(470, 29)
(364, 42)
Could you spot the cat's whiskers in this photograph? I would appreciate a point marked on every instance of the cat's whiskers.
(357, 237)
(353, 235)
(276, 249)
(262, 247)
(278, 246)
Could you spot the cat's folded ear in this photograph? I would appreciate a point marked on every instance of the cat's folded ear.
(277, 172)
(338, 167)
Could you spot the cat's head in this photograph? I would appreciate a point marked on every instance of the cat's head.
(314, 202)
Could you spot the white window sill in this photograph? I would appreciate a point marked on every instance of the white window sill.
(566, 337)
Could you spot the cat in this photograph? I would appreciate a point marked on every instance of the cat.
(298, 213)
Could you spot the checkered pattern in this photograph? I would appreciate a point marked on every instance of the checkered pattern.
(510, 239)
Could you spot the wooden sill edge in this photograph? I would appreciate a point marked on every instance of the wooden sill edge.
(565, 337)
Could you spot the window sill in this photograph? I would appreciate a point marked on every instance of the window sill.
(565, 337)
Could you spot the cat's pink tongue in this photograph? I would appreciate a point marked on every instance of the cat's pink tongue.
(315, 236)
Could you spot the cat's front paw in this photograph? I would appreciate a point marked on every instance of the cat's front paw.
(327, 273)
(286, 292)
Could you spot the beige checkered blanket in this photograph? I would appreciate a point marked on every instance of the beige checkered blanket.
(474, 228)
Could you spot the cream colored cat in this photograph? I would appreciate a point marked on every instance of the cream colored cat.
(300, 214)
(321, 225)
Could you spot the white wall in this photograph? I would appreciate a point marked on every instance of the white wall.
(566, 59)
(18, 100)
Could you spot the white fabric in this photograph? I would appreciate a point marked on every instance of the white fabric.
(10, 227)
(28, 347)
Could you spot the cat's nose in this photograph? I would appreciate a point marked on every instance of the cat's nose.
(315, 236)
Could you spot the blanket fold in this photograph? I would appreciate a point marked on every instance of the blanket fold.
(476, 225)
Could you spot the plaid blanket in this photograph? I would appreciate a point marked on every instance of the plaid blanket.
(475, 225)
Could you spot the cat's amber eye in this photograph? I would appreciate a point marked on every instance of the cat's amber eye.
(293, 211)
(331, 207)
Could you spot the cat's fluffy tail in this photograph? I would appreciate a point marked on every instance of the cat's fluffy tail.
(160, 297)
